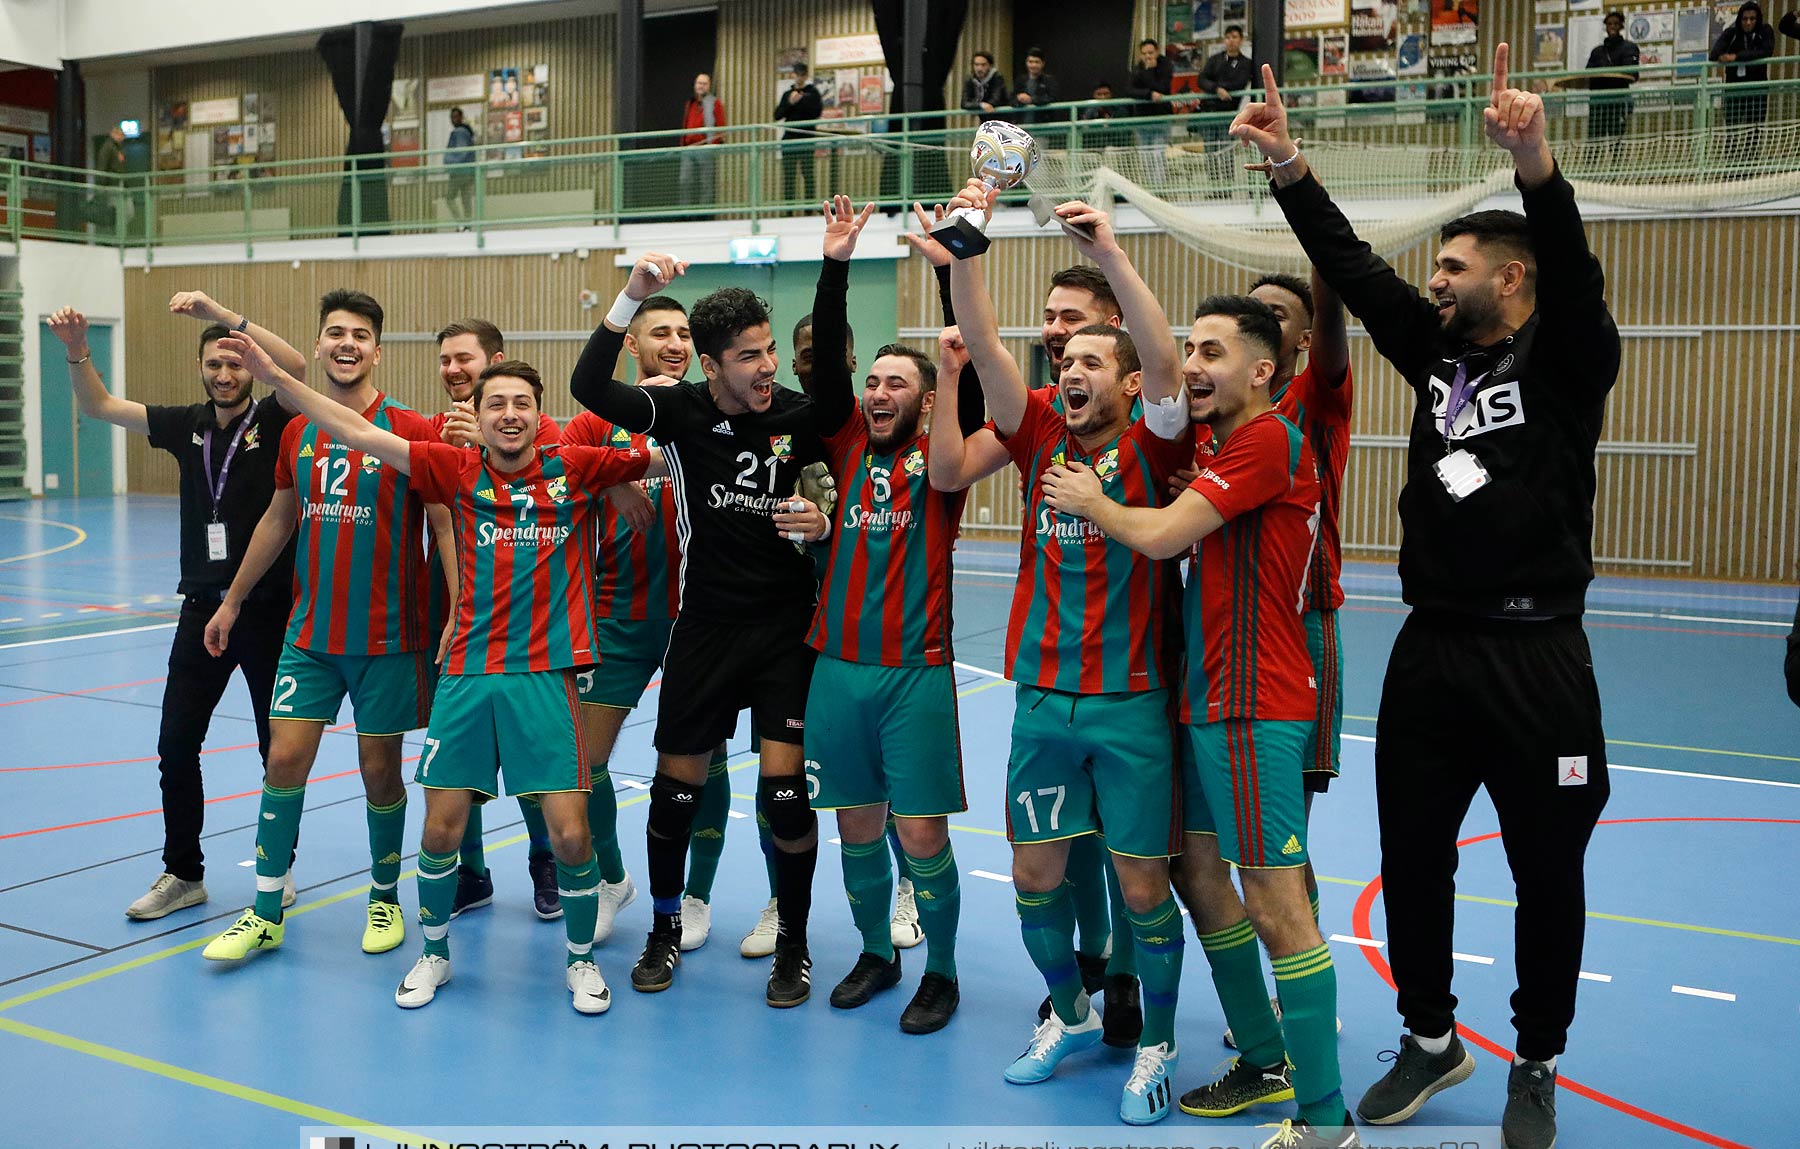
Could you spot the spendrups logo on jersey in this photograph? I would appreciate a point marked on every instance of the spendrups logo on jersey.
(1489, 409)
(337, 512)
(882, 520)
(529, 535)
(1081, 532)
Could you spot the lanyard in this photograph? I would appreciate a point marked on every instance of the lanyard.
(1462, 392)
(216, 488)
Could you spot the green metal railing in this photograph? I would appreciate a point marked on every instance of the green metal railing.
(753, 174)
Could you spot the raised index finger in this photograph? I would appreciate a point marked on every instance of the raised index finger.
(1271, 94)
(1500, 55)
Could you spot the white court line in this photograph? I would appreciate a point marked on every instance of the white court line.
(1711, 993)
(51, 614)
(981, 670)
(1476, 959)
(15, 618)
(1600, 977)
(1366, 943)
(246, 863)
(835, 841)
(735, 814)
(634, 783)
(990, 876)
(79, 637)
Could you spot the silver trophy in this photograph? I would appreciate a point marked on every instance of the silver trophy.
(1003, 155)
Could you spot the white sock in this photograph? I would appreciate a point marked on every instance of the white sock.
(1550, 1065)
(1433, 1045)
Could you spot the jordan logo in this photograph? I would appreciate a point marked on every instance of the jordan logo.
(1572, 771)
(1293, 845)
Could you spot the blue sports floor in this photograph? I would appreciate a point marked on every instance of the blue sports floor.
(117, 1032)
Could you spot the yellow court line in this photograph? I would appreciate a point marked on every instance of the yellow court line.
(1659, 746)
(80, 537)
(232, 1089)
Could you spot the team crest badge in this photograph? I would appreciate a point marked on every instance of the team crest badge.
(252, 437)
(781, 446)
(914, 463)
(485, 494)
(621, 437)
(557, 488)
(370, 464)
(1107, 465)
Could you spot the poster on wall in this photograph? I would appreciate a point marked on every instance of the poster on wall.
(838, 51)
(1410, 58)
(1650, 27)
(1584, 33)
(1235, 12)
(869, 95)
(252, 107)
(503, 88)
(1300, 58)
(1692, 30)
(212, 112)
(1205, 19)
(1372, 26)
(1314, 13)
(1548, 43)
(1334, 54)
(455, 89)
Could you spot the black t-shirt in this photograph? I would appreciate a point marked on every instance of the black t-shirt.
(249, 485)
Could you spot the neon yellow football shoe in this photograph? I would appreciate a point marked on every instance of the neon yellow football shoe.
(387, 928)
(246, 934)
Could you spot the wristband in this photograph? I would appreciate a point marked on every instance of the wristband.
(1289, 161)
(623, 309)
(78, 362)
(243, 327)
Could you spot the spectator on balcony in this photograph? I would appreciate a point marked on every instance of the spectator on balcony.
(1227, 73)
(1152, 79)
(1608, 115)
(1038, 90)
(460, 160)
(1092, 137)
(984, 89)
(701, 118)
(797, 108)
(1743, 47)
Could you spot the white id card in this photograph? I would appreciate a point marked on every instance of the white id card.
(215, 542)
(1462, 474)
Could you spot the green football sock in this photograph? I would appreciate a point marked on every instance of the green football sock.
(1087, 891)
(473, 853)
(896, 849)
(1307, 983)
(1243, 995)
(1160, 939)
(580, 889)
(707, 841)
(437, 898)
(387, 832)
(1122, 962)
(869, 884)
(535, 825)
(276, 832)
(603, 826)
(1047, 923)
(937, 890)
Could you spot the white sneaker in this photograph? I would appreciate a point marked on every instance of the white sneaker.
(696, 923)
(612, 897)
(760, 942)
(420, 985)
(588, 987)
(288, 894)
(167, 894)
(905, 930)
(1274, 1004)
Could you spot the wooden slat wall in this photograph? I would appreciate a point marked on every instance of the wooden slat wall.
(1729, 509)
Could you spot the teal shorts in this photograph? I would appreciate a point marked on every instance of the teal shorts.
(1328, 672)
(1094, 763)
(884, 734)
(522, 727)
(1248, 775)
(389, 693)
(631, 652)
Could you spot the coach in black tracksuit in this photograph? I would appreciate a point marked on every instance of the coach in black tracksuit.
(1490, 682)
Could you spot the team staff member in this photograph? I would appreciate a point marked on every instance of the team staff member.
(1491, 682)
(225, 448)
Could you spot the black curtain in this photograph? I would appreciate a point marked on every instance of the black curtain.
(932, 177)
(361, 60)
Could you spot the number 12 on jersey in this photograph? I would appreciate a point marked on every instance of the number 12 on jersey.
(1025, 799)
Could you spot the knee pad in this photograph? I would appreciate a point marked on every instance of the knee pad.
(784, 804)
(673, 804)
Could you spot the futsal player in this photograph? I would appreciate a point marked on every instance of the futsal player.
(1092, 745)
(505, 706)
(466, 348)
(881, 722)
(1510, 360)
(1248, 699)
(735, 444)
(358, 624)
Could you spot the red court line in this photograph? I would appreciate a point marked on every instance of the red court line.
(149, 758)
(78, 693)
(1360, 921)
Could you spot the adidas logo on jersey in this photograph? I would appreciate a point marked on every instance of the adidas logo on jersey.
(486, 493)
(1293, 845)
(723, 428)
(306, 451)
(621, 436)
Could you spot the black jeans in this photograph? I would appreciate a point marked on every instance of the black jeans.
(196, 682)
(1511, 706)
(797, 167)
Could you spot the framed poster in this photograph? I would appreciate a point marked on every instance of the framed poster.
(1314, 13)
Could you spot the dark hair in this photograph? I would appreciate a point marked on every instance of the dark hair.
(799, 67)
(1230, 28)
(657, 303)
(719, 318)
(927, 368)
(1148, 40)
(1503, 231)
(1091, 280)
(1034, 50)
(485, 333)
(806, 323)
(511, 369)
(1292, 284)
(213, 333)
(982, 54)
(1615, 14)
(357, 303)
(1098, 84)
(1256, 320)
(1124, 350)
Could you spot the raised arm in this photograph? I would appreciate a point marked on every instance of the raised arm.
(831, 387)
(335, 419)
(971, 407)
(1329, 353)
(1001, 380)
(592, 381)
(199, 305)
(1159, 532)
(1144, 315)
(267, 542)
(95, 400)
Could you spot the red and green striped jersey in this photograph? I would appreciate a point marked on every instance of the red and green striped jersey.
(359, 568)
(1246, 644)
(1323, 415)
(633, 580)
(524, 552)
(885, 596)
(1088, 613)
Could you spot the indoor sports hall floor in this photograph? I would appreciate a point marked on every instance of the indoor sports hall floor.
(117, 1032)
